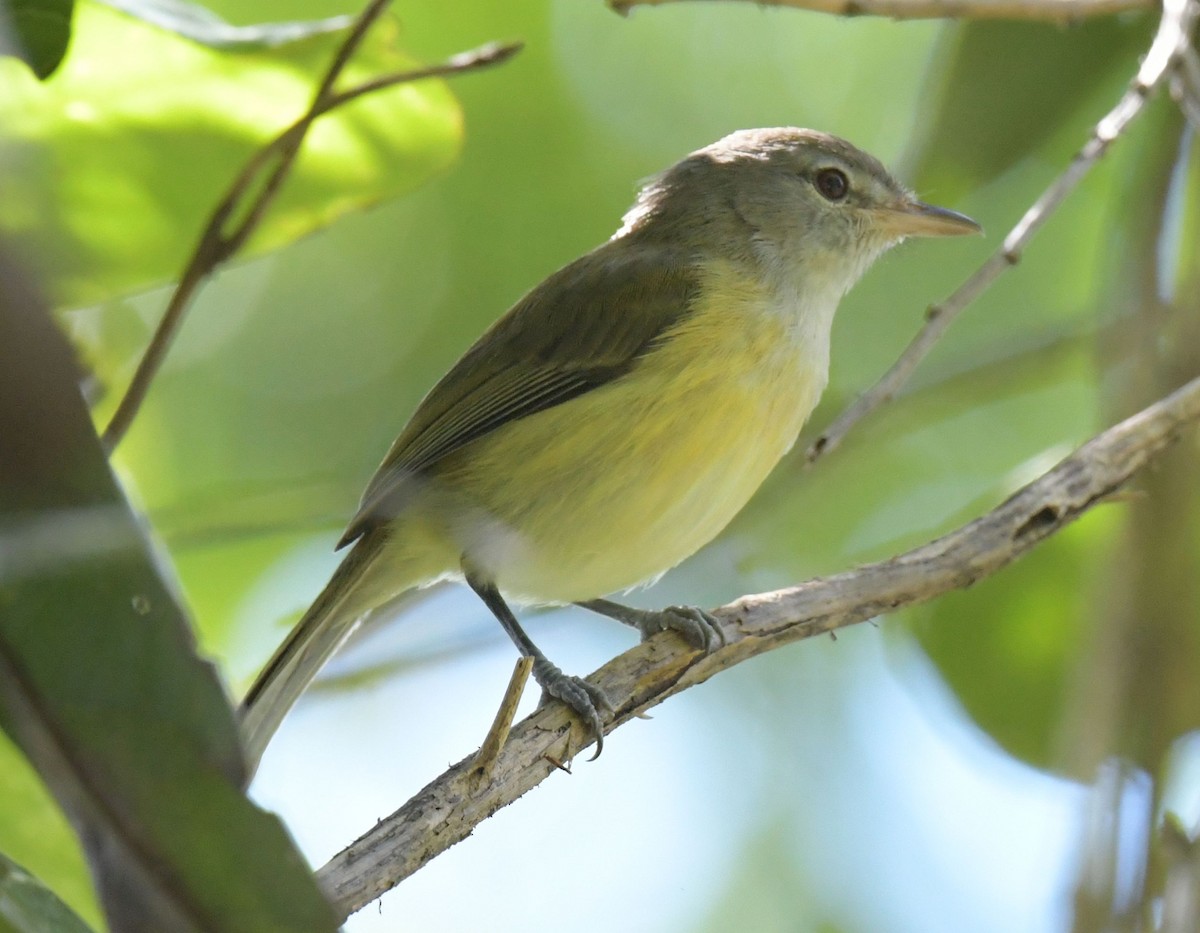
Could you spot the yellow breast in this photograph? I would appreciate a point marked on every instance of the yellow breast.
(633, 477)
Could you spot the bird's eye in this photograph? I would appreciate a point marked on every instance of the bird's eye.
(832, 183)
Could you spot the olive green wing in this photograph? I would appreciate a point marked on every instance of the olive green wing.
(583, 327)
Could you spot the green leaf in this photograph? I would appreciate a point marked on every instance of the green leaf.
(113, 168)
(41, 30)
(203, 26)
(1011, 86)
(1007, 646)
(28, 906)
(35, 833)
(100, 685)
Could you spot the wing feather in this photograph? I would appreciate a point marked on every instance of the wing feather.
(583, 327)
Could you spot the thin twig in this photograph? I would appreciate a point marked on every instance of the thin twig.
(217, 243)
(489, 751)
(371, 12)
(1185, 87)
(447, 810)
(1057, 11)
(1169, 45)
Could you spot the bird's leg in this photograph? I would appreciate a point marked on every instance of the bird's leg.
(701, 629)
(586, 699)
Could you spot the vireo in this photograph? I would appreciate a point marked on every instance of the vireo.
(622, 412)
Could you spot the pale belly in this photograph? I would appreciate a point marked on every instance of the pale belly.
(617, 486)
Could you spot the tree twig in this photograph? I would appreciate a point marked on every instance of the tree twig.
(497, 736)
(1166, 51)
(1057, 11)
(251, 193)
(1185, 87)
(447, 809)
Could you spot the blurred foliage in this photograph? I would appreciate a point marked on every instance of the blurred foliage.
(100, 684)
(114, 165)
(34, 830)
(992, 104)
(27, 906)
(40, 31)
(201, 25)
(297, 368)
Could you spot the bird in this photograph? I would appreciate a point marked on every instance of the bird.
(623, 411)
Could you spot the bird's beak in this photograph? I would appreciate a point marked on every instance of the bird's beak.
(914, 218)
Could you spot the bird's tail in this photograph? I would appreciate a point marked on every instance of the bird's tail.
(347, 597)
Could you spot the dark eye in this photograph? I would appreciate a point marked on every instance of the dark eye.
(832, 183)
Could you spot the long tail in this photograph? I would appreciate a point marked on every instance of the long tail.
(325, 626)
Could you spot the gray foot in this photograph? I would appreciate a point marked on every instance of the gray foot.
(699, 628)
(586, 699)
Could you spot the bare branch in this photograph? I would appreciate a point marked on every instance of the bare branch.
(1166, 52)
(1057, 11)
(447, 810)
(255, 187)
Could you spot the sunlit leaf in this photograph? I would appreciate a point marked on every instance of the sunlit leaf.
(34, 832)
(113, 167)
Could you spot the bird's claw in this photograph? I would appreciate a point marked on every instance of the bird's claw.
(699, 628)
(586, 699)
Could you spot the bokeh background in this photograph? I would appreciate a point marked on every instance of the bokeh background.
(941, 770)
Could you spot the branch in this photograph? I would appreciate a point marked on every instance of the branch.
(254, 189)
(1167, 52)
(447, 810)
(1185, 87)
(1057, 11)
